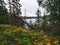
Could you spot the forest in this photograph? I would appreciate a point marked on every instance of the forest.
(15, 29)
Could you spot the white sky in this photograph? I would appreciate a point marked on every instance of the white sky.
(31, 7)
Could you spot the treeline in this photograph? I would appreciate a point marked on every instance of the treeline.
(49, 23)
(10, 15)
(3, 13)
(51, 18)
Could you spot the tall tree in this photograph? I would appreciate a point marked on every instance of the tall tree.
(52, 7)
(38, 13)
(3, 13)
(15, 12)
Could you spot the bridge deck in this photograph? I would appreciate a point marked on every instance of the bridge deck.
(29, 17)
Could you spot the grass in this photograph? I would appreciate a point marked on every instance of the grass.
(12, 35)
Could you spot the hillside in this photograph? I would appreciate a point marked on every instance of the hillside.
(12, 35)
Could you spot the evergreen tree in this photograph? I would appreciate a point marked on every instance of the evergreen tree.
(38, 13)
(15, 11)
(3, 13)
(52, 7)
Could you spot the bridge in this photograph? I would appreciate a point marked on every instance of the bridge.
(24, 17)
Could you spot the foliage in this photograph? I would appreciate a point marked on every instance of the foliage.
(52, 21)
(15, 12)
(12, 35)
(4, 19)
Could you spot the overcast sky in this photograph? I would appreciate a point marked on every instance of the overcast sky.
(31, 7)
